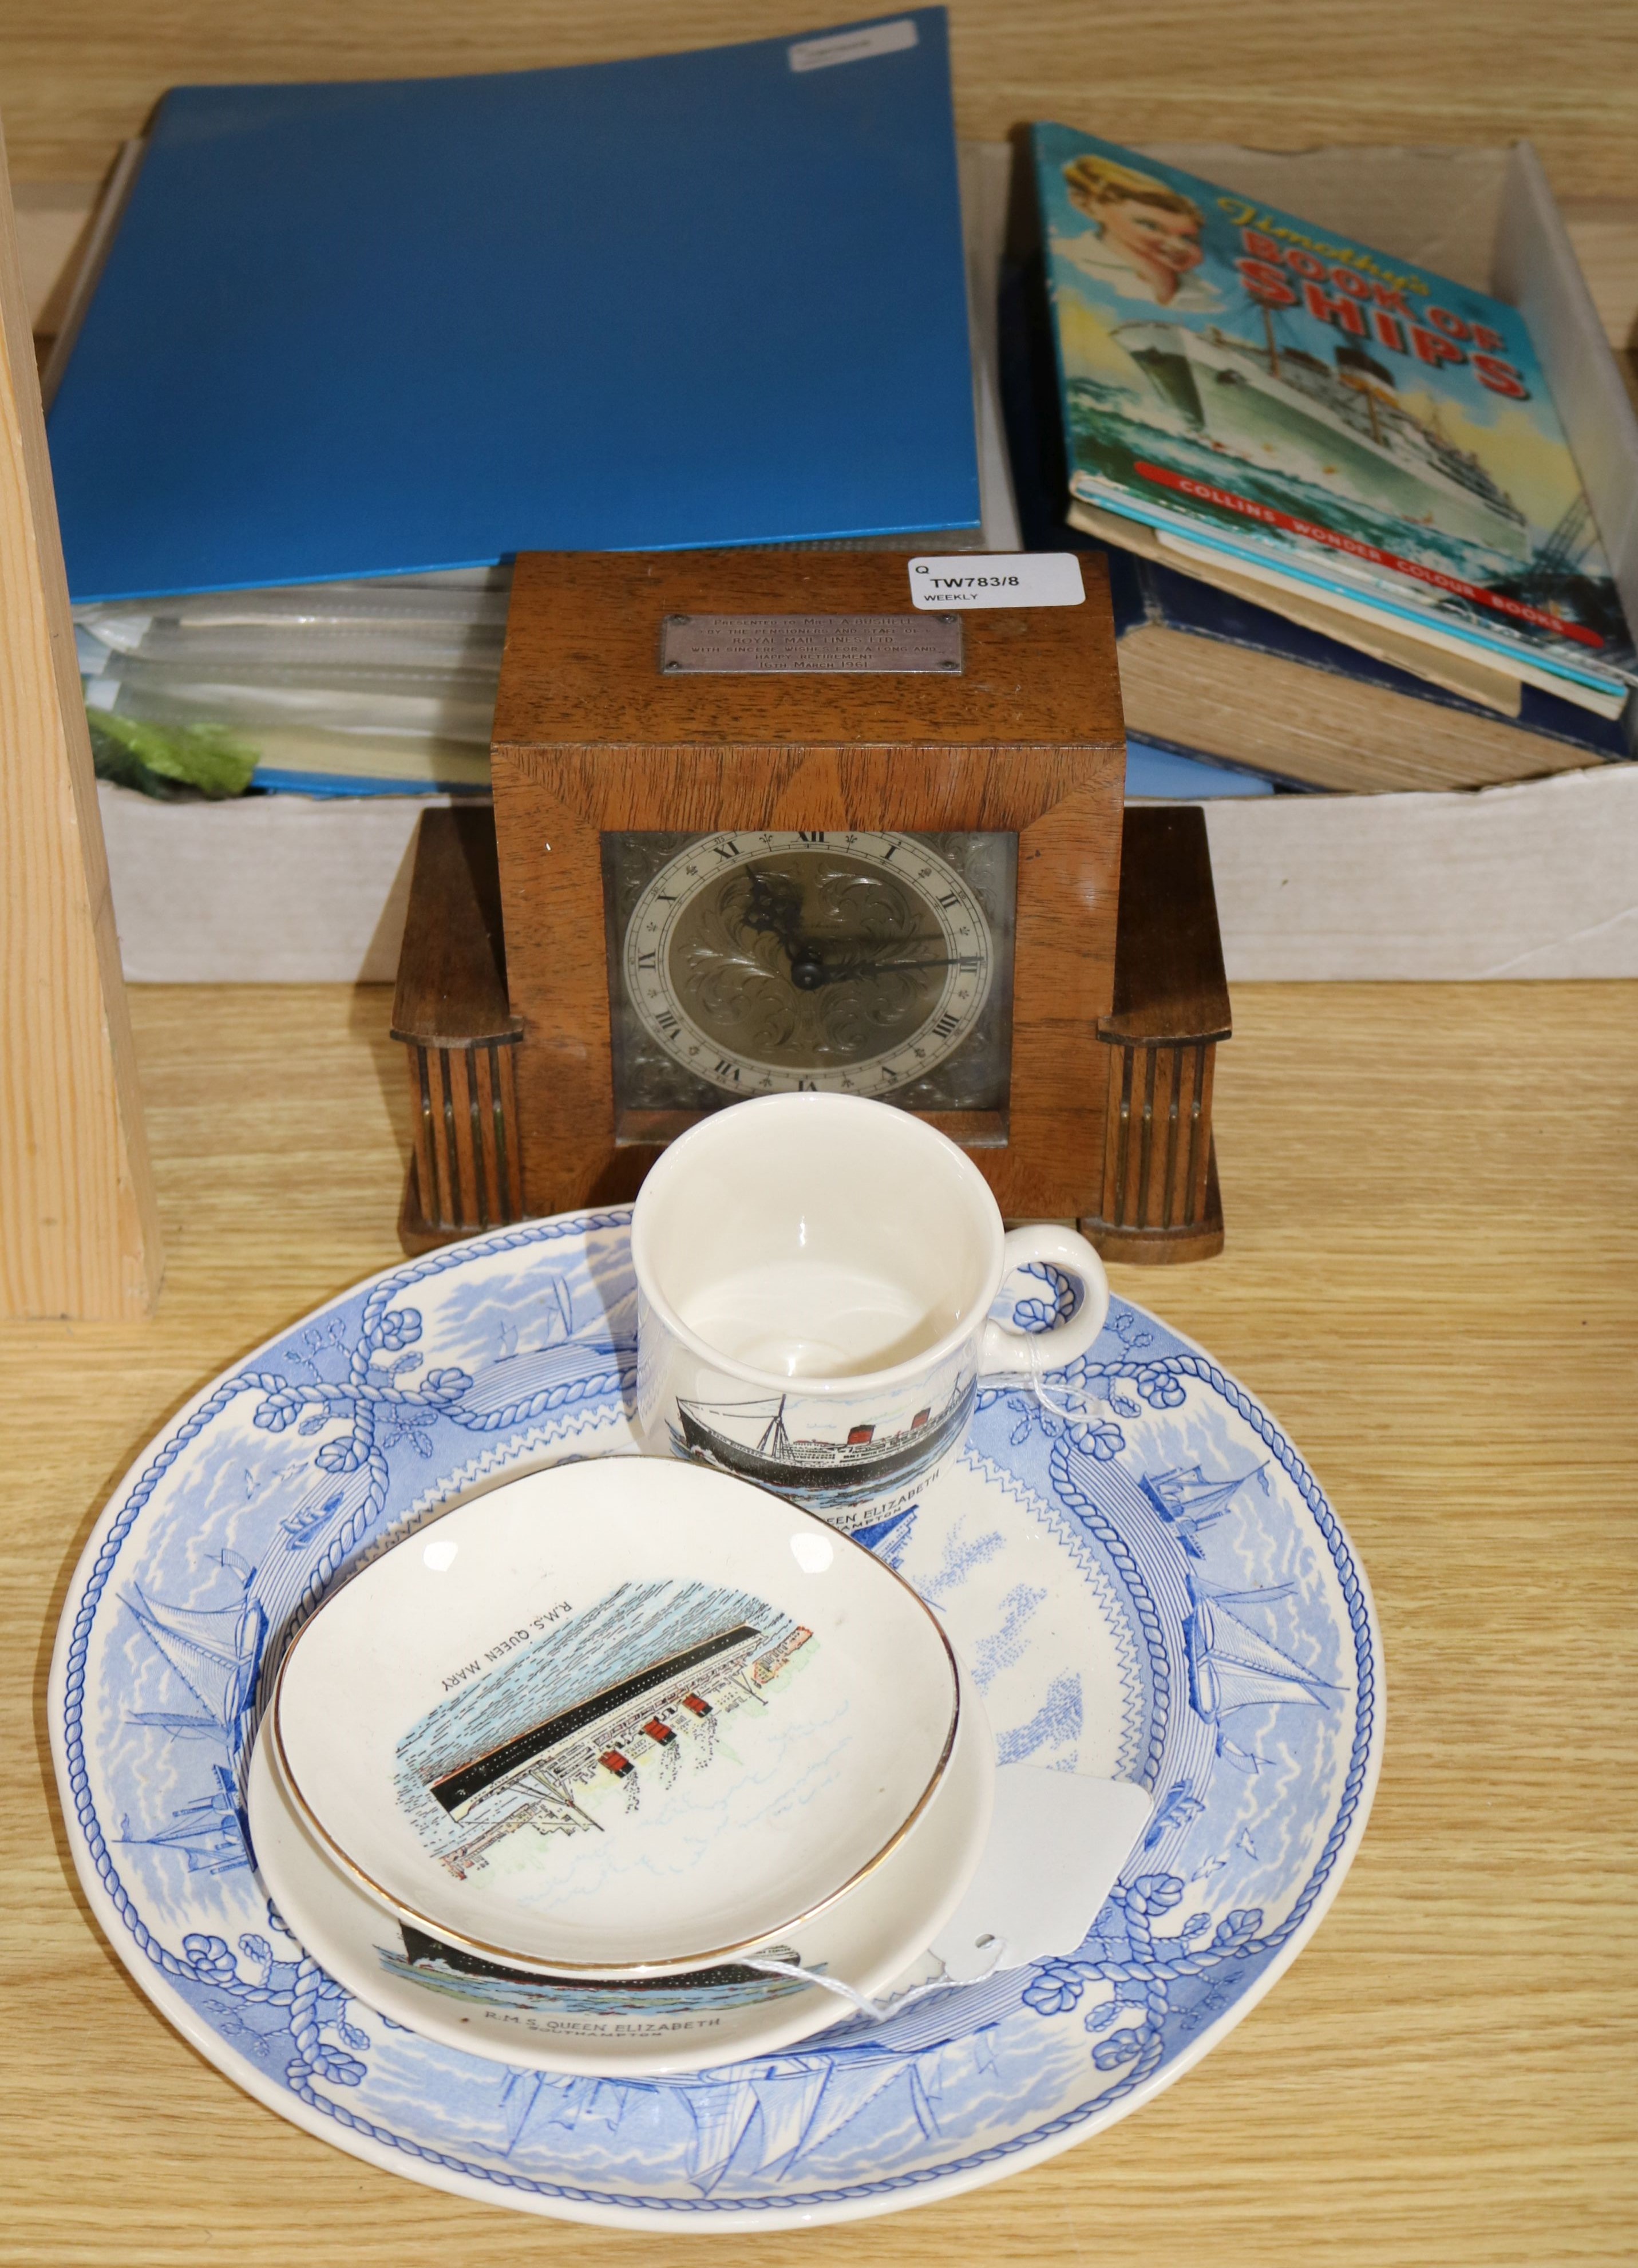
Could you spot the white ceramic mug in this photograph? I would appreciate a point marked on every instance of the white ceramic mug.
(814, 1279)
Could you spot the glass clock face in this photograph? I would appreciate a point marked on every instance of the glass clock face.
(758, 962)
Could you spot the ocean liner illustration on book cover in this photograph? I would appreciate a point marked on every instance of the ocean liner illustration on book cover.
(1244, 379)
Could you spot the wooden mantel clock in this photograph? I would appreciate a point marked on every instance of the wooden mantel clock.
(763, 826)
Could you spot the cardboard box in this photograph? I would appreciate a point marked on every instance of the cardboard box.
(1534, 881)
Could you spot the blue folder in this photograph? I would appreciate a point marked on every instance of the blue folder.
(364, 330)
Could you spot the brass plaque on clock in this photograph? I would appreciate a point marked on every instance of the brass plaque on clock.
(810, 645)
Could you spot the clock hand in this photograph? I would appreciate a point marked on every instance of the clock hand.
(809, 972)
(774, 909)
(894, 967)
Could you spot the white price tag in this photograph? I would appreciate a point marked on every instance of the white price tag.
(950, 579)
(853, 46)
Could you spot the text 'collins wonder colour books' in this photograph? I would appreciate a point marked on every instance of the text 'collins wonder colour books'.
(1270, 393)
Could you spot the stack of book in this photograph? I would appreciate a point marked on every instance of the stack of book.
(325, 387)
(390, 330)
(1350, 546)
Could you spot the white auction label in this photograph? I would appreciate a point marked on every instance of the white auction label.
(1004, 578)
(853, 46)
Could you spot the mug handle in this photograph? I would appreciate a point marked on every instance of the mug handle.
(1006, 1347)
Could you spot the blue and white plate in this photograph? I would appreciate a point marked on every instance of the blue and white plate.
(1142, 1573)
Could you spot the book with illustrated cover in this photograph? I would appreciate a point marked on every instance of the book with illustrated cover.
(1275, 397)
(1216, 676)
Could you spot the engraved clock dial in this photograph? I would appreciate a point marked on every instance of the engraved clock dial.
(852, 963)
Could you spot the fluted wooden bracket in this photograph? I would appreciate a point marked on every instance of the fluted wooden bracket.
(79, 1228)
(1160, 1197)
(451, 1012)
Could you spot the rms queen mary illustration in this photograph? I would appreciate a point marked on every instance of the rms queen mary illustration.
(494, 1764)
(751, 1438)
(1253, 398)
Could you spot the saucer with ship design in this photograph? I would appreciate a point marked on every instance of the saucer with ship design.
(613, 2028)
(629, 1718)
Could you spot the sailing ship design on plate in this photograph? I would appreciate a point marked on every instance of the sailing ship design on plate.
(1231, 1665)
(215, 1652)
(562, 1739)
(209, 1830)
(827, 1471)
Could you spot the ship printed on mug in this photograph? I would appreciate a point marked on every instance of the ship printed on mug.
(815, 1274)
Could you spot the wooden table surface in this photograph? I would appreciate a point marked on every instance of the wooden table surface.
(77, 76)
(1431, 1277)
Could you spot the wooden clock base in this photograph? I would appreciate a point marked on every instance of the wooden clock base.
(1160, 1197)
(451, 1010)
(1160, 1201)
(1170, 1241)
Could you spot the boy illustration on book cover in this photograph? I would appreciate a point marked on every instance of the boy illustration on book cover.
(1239, 377)
(1145, 238)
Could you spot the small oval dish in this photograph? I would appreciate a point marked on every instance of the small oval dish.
(623, 1717)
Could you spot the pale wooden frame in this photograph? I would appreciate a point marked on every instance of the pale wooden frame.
(79, 1223)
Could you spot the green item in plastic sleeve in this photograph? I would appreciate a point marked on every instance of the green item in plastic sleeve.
(174, 762)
